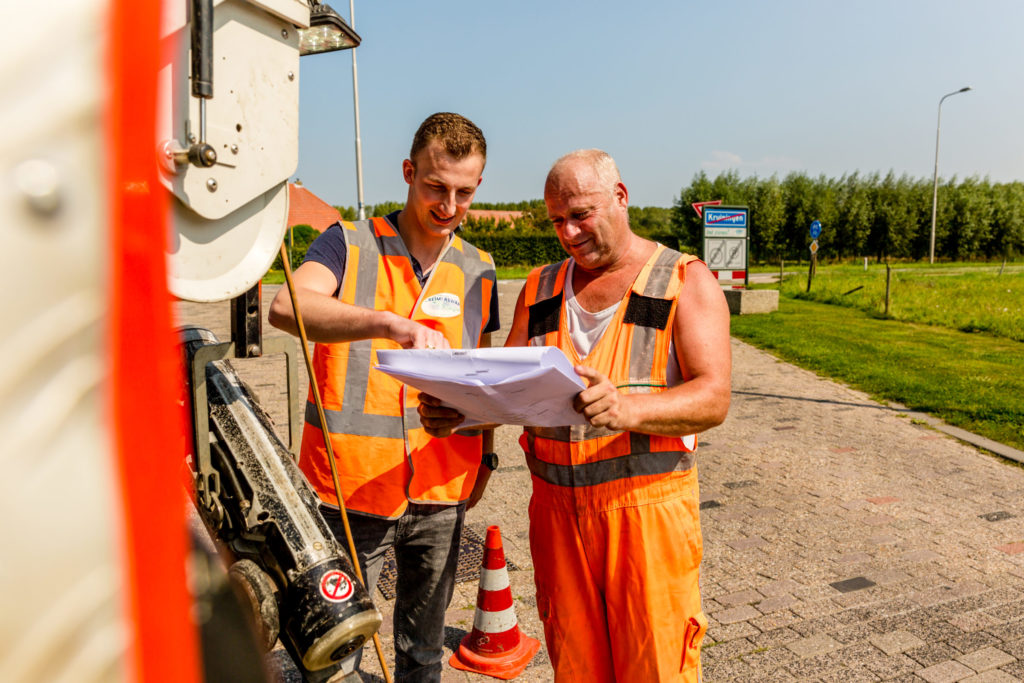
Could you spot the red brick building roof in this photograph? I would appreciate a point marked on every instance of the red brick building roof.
(305, 208)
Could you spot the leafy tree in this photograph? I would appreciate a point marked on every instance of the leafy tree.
(824, 209)
(767, 218)
(649, 220)
(893, 218)
(853, 199)
(801, 208)
(1007, 235)
(535, 218)
(971, 224)
(685, 221)
(348, 213)
(384, 208)
(943, 215)
(920, 203)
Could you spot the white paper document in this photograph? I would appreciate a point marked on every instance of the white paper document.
(523, 385)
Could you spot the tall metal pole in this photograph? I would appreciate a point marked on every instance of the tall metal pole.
(355, 103)
(935, 177)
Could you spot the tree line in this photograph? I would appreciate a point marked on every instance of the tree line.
(645, 220)
(862, 215)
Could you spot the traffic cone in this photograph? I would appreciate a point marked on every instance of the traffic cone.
(496, 647)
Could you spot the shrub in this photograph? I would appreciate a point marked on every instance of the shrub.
(301, 237)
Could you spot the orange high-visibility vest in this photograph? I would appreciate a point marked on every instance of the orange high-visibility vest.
(634, 354)
(385, 459)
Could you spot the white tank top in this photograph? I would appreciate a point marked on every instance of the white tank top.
(586, 328)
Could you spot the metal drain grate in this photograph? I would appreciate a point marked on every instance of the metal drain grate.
(471, 557)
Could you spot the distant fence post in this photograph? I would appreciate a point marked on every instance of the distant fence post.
(888, 283)
(781, 267)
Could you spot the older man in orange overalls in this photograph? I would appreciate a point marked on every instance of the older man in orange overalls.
(614, 522)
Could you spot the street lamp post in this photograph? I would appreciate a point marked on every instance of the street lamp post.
(355, 104)
(935, 179)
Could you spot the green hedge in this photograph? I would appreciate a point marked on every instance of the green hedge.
(507, 248)
(533, 250)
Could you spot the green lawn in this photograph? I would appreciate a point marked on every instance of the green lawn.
(858, 264)
(967, 299)
(973, 381)
(514, 272)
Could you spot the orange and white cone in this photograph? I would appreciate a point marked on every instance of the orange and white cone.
(496, 647)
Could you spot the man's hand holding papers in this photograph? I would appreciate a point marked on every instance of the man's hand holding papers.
(509, 385)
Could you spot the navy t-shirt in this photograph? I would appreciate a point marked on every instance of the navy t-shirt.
(329, 250)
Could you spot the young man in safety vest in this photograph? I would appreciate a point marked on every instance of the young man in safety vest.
(400, 281)
(614, 525)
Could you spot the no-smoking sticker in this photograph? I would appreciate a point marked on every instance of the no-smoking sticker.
(336, 586)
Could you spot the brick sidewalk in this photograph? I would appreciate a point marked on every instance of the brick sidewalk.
(843, 542)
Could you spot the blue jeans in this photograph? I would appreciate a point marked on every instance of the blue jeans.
(426, 541)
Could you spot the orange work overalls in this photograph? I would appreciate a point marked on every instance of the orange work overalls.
(614, 521)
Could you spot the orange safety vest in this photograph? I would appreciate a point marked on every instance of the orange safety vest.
(634, 354)
(385, 459)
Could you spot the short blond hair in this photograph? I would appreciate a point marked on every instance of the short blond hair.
(459, 136)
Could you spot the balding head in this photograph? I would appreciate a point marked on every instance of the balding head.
(593, 166)
(588, 206)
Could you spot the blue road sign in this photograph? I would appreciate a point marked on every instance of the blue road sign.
(815, 229)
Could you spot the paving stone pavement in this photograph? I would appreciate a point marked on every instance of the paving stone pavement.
(843, 540)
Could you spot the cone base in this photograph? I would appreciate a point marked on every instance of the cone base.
(506, 665)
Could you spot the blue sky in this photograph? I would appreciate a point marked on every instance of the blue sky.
(670, 88)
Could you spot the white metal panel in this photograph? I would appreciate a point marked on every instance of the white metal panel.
(295, 11)
(61, 572)
(218, 260)
(229, 219)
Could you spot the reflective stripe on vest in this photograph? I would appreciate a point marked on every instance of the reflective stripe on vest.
(384, 457)
(634, 353)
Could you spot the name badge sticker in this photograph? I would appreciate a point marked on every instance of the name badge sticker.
(444, 305)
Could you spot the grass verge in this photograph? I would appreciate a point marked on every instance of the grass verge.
(972, 381)
(514, 272)
(966, 300)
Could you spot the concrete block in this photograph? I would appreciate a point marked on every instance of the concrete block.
(945, 672)
(895, 642)
(813, 645)
(744, 301)
(736, 614)
(986, 659)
